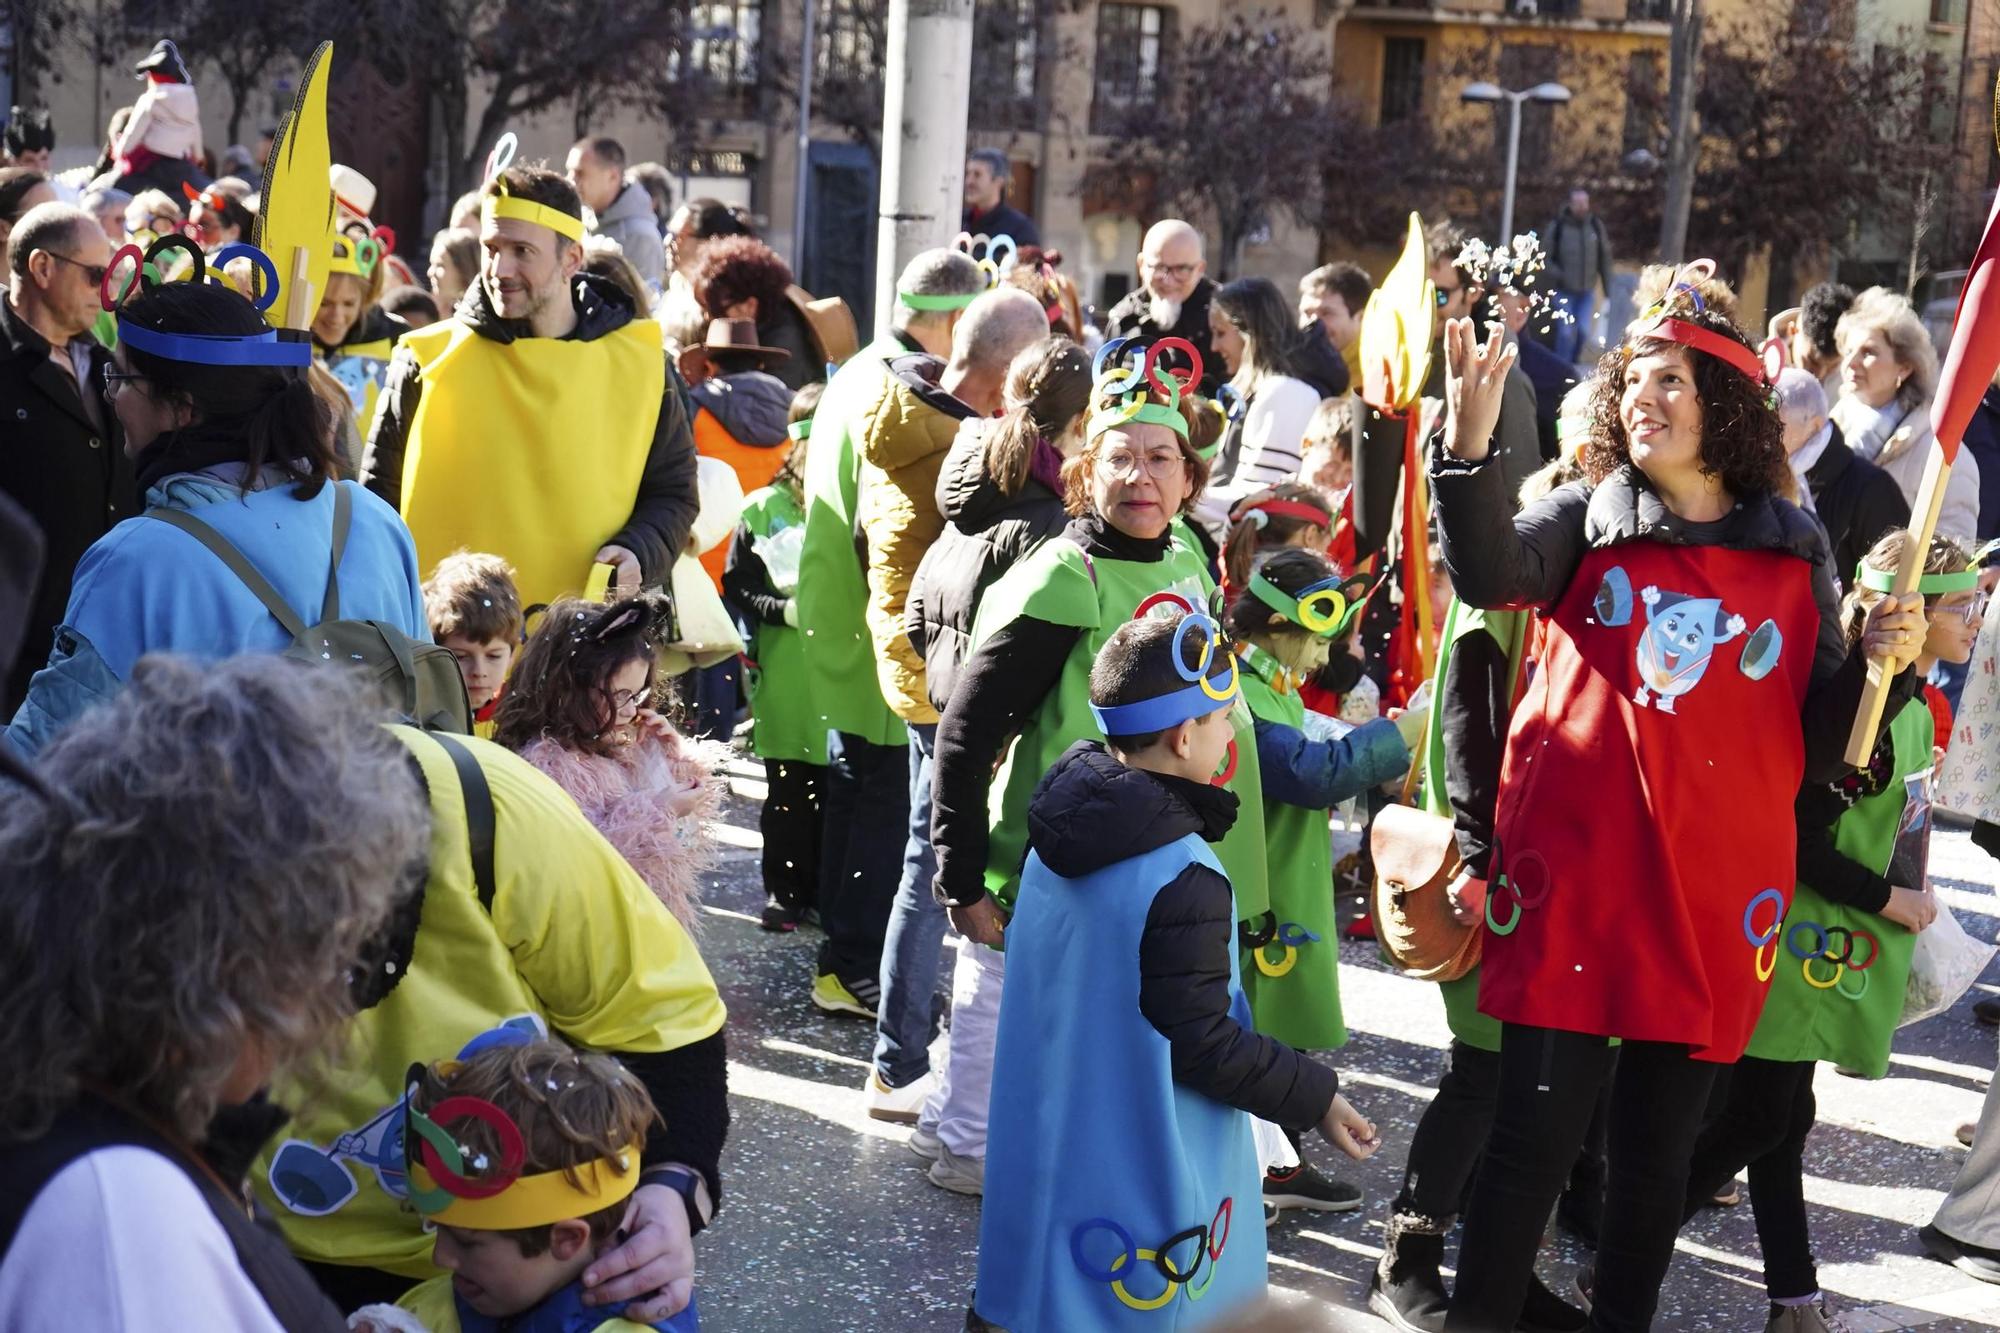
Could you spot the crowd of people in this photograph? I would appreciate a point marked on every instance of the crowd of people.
(1066, 633)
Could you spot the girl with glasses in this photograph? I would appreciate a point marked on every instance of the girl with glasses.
(580, 708)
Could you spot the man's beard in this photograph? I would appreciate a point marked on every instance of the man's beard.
(1163, 311)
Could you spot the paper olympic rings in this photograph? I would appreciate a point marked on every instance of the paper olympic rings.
(1823, 939)
(502, 156)
(1288, 936)
(1209, 1242)
(984, 251)
(203, 268)
(1767, 939)
(1112, 380)
(445, 1160)
(1325, 608)
(1521, 870)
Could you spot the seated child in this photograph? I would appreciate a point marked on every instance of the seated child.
(1122, 1176)
(515, 1258)
(761, 583)
(580, 709)
(475, 611)
(1284, 619)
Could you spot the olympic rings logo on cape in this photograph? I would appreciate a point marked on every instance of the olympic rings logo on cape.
(1208, 1241)
(1288, 936)
(1510, 882)
(1843, 962)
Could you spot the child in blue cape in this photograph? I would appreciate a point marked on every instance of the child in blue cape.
(1123, 1189)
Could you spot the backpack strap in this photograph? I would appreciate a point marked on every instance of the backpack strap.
(479, 817)
(343, 512)
(239, 565)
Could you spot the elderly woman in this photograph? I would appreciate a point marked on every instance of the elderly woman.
(186, 904)
(246, 451)
(1037, 631)
(1888, 371)
(1693, 673)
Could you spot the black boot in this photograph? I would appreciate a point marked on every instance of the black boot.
(1546, 1312)
(1407, 1289)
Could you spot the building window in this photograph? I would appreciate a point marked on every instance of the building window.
(1948, 11)
(852, 36)
(1544, 9)
(1523, 65)
(1650, 11)
(721, 43)
(1642, 102)
(1005, 50)
(1132, 51)
(1402, 78)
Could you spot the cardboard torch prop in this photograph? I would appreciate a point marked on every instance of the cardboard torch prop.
(1395, 358)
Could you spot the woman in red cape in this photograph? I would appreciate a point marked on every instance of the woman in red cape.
(1693, 673)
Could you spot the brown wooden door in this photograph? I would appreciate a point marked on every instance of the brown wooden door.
(382, 130)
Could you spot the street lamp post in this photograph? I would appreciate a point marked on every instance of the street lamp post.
(1493, 92)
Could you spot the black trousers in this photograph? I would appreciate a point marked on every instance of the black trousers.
(1450, 1136)
(791, 821)
(1767, 1114)
(867, 805)
(1549, 1082)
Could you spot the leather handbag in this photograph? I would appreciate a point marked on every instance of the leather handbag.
(1416, 857)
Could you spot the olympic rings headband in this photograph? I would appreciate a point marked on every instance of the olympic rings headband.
(202, 349)
(356, 256)
(1760, 367)
(501, 1199)
(1884, 580)
(1326, 608)
(504, 205)
(1198, 699)
(994, 269)
(1120, 394)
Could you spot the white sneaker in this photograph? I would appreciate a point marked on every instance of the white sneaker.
(960, 1175)
(897, 1105)
(925, 1143)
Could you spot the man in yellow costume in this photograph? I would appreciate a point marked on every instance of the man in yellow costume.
(542, 422)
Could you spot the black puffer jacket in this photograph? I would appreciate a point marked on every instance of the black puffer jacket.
(986, 531)
(1090, 812)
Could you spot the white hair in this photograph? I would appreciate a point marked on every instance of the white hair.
(1801, 397)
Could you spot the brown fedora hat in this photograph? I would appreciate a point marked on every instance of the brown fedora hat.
(739, 335)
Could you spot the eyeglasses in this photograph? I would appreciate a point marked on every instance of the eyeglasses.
(1171, 270)
(1121, 463)
(95, 272)
(623, 699)
(1968, 611)
(115, 379)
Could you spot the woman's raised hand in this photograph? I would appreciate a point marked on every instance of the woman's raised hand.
(1475, 379)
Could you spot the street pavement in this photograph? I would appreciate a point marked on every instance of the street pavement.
(829, 1223)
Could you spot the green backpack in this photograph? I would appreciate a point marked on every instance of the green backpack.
(419, 682)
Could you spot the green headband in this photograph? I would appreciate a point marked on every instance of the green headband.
(1884, 580)
(1129, 412)
(942, 301)
(1322, 609)
(800, 430)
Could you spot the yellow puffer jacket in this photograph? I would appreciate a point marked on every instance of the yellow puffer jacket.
(903, 433)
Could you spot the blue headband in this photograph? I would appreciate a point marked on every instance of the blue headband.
(255, 349)
(1198, 699)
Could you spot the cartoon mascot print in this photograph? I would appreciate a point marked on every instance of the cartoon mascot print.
(1681, 636)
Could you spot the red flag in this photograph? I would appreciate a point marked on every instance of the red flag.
(1974, 352)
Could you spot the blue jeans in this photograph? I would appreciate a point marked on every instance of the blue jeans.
(912, 949)
(860, 852)
(1569, 336)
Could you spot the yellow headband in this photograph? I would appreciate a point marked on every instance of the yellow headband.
(527, 210)
(538, 1200)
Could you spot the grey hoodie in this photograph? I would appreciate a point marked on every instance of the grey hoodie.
(630, 222)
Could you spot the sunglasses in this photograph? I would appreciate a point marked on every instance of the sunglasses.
(95, 272)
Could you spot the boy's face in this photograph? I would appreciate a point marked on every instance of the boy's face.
(484, 663)
(1210, 744)
(490, 1274)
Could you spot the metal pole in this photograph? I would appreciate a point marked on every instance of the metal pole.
(926, 81)
(1514, 101)
(808, 70)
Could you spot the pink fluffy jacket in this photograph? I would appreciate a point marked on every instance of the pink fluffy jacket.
(652, 802)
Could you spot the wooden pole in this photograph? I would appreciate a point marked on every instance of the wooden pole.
(299, 307)
(1923, 523)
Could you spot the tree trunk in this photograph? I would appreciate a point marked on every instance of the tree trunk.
(492, 122)
(1683, 142)
(450, 97)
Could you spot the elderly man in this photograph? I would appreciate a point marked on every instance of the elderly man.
(65, 459)
(480, 439)
(1856, 501)
(918, 409)
(1172, 298)
(621, 211)
(867, 797)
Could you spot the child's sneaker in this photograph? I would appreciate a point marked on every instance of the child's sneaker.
(925, 1144)
(1305, 1187)
(899, 1106)
(778, 918)
(835, 996)
(960, 1175)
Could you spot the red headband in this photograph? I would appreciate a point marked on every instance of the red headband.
(1721, 348)
(1297, 509)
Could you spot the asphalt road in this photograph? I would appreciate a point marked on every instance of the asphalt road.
(830, 1224)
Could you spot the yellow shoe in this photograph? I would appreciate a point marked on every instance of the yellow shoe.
(838, 997)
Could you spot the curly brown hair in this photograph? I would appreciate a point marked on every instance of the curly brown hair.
(738, 268)
(561, 686)
(1741, 437)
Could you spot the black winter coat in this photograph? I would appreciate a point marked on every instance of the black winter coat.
(1090, 812)
(70, 475)
(986, 532)
(1856, 502)
(1131, 317)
